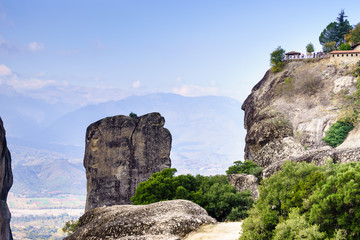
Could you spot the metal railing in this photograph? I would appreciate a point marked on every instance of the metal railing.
(319, 55)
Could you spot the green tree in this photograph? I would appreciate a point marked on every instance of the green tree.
(133, 115)
(345, 46)
(278, 197)
(304, 201)
(296, 228)
(159, 187)
(223, 199)
(214, 193)
(335, 31)
(355, 34)
(247, 167)
(330, 34)
(70, 226)
(310, 48)
(344, 25)
(277, 59)
(329, 46)
(336, 205)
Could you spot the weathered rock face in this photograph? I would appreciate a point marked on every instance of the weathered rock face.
(6, 181)
(120, 153)
(168, 220)
(288, 113)
(243, 182)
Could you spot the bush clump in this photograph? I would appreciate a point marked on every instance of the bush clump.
(356, 71)
(133, 115)
(277, 60)
(338, 132)
(247, 167)
(214, 193)
(305, 201)
(70, 226)
(345, 46)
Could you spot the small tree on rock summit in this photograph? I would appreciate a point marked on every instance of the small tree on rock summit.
(335, 31)
(277, 59)
(310, 48)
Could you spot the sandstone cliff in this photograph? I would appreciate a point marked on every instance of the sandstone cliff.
(288, 113)
(168, 220)
(6, 181)
(120, 153)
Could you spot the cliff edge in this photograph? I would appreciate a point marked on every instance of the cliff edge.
(6, 181)
(288, 113)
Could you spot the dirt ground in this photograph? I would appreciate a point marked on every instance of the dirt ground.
(223, 231)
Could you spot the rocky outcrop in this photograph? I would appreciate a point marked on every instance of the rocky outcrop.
(319, 157)
(6, 181)
(167, 220)
(120, 153)
(243, 182)
(288, 113)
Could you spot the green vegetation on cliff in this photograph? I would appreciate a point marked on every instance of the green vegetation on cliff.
(213, 193)
(246, 167)
(335, 31)
(345, 46)
(304, 201)
(348, 117)
(277, 58)
(338, 132)
(310, 48)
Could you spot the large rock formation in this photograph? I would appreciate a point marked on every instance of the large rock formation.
(6, 181)
(120, 153)
(243, 182)
(288, 113)
(168, 220)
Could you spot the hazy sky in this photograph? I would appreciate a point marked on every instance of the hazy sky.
(189, 47)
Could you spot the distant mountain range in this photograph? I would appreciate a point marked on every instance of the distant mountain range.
(47, 140)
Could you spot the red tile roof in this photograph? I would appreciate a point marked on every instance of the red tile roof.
(293, 53)
(344, 52)
(355, 45)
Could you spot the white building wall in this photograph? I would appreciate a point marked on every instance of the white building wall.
(346, 58)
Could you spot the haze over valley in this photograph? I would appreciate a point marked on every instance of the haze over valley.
(47, 140)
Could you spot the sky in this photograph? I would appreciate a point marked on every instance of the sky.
(111, 49)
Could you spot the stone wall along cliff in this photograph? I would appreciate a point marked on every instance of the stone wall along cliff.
(6, 181)
(120, 153)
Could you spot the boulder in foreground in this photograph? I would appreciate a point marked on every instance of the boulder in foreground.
(168, 220)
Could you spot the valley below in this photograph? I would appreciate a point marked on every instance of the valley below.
(43, 218)
(46, 142)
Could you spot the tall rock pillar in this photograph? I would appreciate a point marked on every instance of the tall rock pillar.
(6, 181)
(120, 153)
